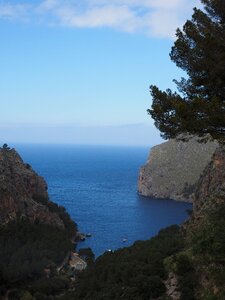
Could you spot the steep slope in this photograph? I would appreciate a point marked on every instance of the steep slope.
(36, 235)
(23, 193)
(205, 231)
(173, 169)
(211, 184)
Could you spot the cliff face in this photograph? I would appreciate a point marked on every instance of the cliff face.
(205, 230)
(173, 169)
(211, 185)
(22, 192)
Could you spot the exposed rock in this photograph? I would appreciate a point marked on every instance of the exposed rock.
(76, 262)
(212, 183)
(172, 288)
(209, 199)
(22, 192)
(173, 169)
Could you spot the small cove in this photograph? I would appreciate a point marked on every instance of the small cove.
(98, 187)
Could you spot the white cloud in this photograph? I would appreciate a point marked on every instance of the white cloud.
(16, 11)
(158, 18)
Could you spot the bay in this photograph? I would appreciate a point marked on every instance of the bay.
(98, 187)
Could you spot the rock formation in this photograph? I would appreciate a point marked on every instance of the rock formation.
(210, 191)
(22, 192)
(173, 169)
(211, 185)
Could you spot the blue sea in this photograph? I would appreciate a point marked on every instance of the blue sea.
(98, 187)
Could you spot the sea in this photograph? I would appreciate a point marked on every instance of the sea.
(98, 187)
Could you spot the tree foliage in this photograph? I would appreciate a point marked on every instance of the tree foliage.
(199, 105)
(26, 249)
(135, 272)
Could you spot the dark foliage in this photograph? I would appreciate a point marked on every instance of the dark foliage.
(199, 106)
(209, 242)
(187, 279)
(27, 249)
(135, 272)
(87, 255)
(50, 286)
(70, 226)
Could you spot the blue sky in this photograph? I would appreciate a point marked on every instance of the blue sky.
(79, 71)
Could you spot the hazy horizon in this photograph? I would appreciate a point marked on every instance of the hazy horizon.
(125, 135)
(80, 73)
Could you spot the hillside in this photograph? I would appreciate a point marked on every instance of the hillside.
(180, 263)
(183, 263)
(35, 234)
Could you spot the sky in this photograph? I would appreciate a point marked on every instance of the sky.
(78, 72)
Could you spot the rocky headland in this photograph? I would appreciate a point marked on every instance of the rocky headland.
(23, 193)
(174, 168)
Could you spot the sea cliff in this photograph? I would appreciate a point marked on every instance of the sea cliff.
(23, 194)
(173, 169)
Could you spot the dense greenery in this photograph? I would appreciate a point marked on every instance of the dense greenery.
(140, 271)
(135, 272)
(199, 106)
(208, 244)
(30, 252)
(27, 249)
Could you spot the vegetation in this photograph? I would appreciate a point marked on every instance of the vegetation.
(87, 255)
(70, 226)
(30, 254)
(5, 147)
(140, 271)
(136, 272)
(199, 105)
(26, 250)
(209, 247)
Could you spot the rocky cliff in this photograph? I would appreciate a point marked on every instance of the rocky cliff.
(173, 169)
(205, 230)
(211, 185)
(23, 193)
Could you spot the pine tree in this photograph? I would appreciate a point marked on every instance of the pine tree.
(199, 105)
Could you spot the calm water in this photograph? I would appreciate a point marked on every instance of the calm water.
(98, 187)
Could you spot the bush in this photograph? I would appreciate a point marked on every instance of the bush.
(26, 249)
(136, 272)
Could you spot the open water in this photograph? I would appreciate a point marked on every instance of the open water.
(98, 187)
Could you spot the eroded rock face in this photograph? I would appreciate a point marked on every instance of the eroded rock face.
(20, 189)
(172, 287)
(173, 169)
(211, 185)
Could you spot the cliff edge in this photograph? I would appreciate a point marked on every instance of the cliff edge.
(173, 169)
(23, 194)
